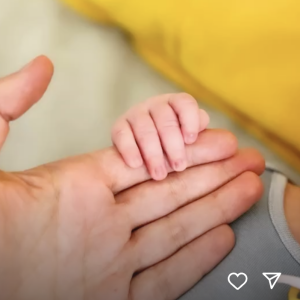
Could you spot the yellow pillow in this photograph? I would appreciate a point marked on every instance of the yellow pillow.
(240, 56)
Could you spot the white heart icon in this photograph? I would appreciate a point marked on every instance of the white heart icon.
(238, 275)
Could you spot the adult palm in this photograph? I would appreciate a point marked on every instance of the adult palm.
(89, 227)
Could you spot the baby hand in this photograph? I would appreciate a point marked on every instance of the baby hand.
(163, 124)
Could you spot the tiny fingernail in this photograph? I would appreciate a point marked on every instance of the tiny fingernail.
(179, 165)
(160, 173)
(136, 162)
(190, 138)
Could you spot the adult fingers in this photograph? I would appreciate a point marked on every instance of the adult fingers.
(162, 238)
(164, 281)
(152, 200)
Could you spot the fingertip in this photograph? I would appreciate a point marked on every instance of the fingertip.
(4, 129)
(226, 239)
(129, 153)
(20, 90)
(227, 141)
(40, 63)
(44, 58)
(179, 165)
(46, 63)
(256, 184)
(204, 119)
(134, 162)
(253, 159)
(190, 138)
(35, 77)
(159, 173)
(251, 187)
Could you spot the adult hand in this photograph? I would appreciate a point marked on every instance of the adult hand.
(89, 227)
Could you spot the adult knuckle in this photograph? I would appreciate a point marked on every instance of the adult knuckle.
(162, 289)
(176, 185)
(223, 211)
(226, 170)
(176, 230)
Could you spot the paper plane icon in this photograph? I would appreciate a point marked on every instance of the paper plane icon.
(272, 278)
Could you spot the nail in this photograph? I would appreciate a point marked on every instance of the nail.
(136, 162)
(190, 138)
(160, 173)
(179, 165)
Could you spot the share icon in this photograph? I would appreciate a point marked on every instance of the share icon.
(272, 278)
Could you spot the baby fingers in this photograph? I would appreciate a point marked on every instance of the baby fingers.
(192, 119)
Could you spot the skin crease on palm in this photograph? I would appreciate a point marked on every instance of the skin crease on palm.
(89, 227)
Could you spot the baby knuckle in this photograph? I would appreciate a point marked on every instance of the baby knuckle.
(169, 124)
(144, 132)
(185, 98)
(137, 113)
(118, 132)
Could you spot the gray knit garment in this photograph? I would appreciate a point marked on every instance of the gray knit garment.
(263, 244)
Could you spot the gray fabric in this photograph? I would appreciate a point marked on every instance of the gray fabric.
(259, 248)
(276, 207)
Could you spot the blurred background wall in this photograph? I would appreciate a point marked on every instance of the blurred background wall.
(97, 77)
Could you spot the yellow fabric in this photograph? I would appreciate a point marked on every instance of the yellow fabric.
(240, 56)
(89, 10)
(293, 294)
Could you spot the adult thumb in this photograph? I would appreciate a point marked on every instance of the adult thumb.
(20, 90)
